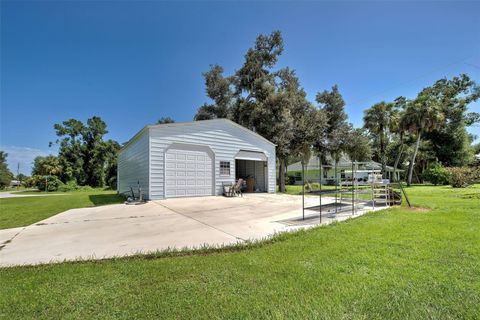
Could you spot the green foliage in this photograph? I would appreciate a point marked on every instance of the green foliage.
(334, 138)
(380, 121)
(451, 142)
(461, 177)
(270, 102)
(290, 180)
(164, 120)
(84, 156)
(476, 148)
(422, 115)
(218, 89)
(49, 165)
(436, 174)
(52, 183)
(6, 176)
(358, 146)
(69, 186)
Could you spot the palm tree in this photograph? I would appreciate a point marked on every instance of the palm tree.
(422, 115)
(399, 128)
(378, 120)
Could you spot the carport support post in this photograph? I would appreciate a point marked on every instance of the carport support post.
(320, 187)
(353, 191)
(336, 188)
(303, 191)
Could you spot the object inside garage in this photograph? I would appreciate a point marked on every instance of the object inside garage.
(252, 168)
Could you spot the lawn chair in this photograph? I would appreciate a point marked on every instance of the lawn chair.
(234, 189)
(237, 188)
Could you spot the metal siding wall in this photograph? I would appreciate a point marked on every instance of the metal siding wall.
(133, 166)
(224, 138)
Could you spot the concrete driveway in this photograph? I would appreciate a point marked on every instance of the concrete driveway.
(119, 230)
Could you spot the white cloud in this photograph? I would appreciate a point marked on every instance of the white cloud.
(24, 156)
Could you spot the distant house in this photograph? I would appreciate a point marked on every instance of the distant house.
(15, 183)
(195, 159)
(362, 171)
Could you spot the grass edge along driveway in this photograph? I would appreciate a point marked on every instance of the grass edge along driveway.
(23, 211)
(392, 264)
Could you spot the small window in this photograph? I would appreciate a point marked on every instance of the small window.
(224, 168)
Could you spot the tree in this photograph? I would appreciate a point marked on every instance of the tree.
(218, 89)
(6, 175)
(398, 127)
(451, 142)
(358, 146)
(164, 120)
(379, 121)
(306, 120)
(21, 177)
(258, 97)
(47, 166)
(337, 127)
(85, 157)
(422, 115)
(111, 149)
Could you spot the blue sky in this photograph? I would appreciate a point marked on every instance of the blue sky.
(134, 62)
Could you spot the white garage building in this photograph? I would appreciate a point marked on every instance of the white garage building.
(195, 159)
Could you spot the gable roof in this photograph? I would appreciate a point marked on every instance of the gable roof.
(224, 120)
(179, 124)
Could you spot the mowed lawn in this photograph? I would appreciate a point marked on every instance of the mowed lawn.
(393, 264)
(19, 212)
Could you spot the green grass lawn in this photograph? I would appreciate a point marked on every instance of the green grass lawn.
(297, 189)
(392, 264)
(18, 212)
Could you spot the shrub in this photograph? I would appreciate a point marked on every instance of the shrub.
(290, 179)
(85, 188)
(436, 174)
(28, 182)
(463, 176)
(69, 186)
(112, 182)
(53, 183)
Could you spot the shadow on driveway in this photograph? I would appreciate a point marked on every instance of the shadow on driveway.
(103, 199)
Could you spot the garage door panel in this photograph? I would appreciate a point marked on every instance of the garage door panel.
(188, 173)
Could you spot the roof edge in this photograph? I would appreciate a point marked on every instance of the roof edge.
(138, 134)
(177, 124)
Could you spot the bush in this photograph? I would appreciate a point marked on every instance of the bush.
(112, 183)
(436, 174)
(290, 179)
(85, 188)
(53, 183)
(69, 186)
(463, 176)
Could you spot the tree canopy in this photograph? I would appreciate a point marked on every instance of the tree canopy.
(84, 156)
(164, 120)
(6, 175)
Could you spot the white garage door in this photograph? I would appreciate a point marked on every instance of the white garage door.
(188, 173)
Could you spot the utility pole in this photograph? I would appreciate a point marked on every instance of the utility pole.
(18, 175)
